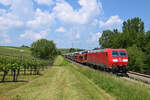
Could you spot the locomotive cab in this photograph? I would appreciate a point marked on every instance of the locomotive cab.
(119, 61)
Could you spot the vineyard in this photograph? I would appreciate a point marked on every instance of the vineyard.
(12, 66)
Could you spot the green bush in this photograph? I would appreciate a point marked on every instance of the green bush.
(44, 49)
(137, 59)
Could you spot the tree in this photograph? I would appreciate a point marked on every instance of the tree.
(133, 33)
(105, 39)
(110, 39)
(137, 59)
(117, 39)
(44, 49)
(133, 30)
(25, 46)
(72, 50)
(135, 25)
(96, 48)
(147, 37)
(147, 48)
(141, 41)
(147, 52)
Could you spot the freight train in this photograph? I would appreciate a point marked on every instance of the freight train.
(112, 60)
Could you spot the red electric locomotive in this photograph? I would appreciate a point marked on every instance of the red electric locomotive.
(115, 60)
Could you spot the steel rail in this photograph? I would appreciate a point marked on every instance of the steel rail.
(139, 74)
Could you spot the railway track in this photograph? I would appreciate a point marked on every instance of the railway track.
(133, 75)
(139, 76)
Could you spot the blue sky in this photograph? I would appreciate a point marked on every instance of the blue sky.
(77, 23)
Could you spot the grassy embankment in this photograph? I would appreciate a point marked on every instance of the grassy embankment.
(15, 51)
(66, 81)
(121, 88)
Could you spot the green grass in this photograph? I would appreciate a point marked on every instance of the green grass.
(9, 85)
(59, 83)
(66, 81)
(15, 51)
(121, 88)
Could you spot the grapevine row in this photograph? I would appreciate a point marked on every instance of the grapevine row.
(15, 65)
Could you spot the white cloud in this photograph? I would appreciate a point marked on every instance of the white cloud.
(94, 37)
(111, 23)
(5, 39)
(58, 42)
(77, 36)
(73, 34)
(29, 34)
(2, 11)
(23, 9)
(95, 22)
(66, 13)
(42, 19)
(9, 21)
(5, 2)
(45, 2)
(98, 34)
(61, 29)
(16, 15)
(21, 17)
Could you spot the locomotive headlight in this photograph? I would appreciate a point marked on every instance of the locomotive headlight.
(115, 60)
(125, 60)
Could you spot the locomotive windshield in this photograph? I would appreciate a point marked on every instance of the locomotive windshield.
(122, 53)
(118, 53)
(115, 53)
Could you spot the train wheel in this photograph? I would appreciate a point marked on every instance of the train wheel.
(114, 69)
